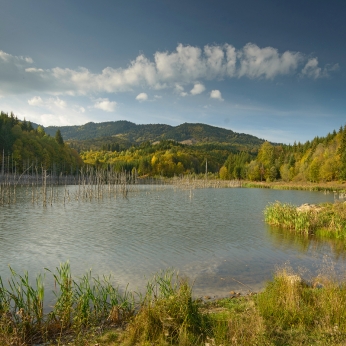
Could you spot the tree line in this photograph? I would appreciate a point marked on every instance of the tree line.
(322, 159)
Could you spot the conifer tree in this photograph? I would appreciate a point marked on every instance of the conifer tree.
(342, 152)
(58, 138)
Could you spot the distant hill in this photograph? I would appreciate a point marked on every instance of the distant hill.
(125, 131)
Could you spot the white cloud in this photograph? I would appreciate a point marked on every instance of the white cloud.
(179, 89)
(49, 103)
(216, 94)
(19, 60)
(185, 65)
(105, 105)
(312, 70)
(58, 102)
(35, 101)
(198, 88)
(48, 119)
(157, 97)
(142, 97)
(256, 62)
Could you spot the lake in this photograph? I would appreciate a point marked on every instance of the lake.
(216, 237)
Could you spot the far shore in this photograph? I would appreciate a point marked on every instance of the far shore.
(297, 185)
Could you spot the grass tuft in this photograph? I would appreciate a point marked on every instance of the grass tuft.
(325, 220)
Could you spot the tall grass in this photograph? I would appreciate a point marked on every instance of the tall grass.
(327, 219)
(300, 313)
(167, 315)
(79, 304)
(289, 311)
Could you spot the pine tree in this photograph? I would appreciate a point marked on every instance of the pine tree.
(58, 138)
(342, 152)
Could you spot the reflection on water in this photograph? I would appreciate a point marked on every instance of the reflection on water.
(216, 237)
(304, 243)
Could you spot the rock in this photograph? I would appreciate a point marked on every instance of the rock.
(306, 207)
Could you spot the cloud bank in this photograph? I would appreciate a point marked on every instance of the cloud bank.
(186, 65)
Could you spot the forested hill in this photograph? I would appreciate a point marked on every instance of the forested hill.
(136, 134)
(24, 147)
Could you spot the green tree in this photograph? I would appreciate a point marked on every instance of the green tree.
(58, 138)
(342, 153)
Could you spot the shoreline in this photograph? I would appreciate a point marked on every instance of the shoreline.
(331, 186)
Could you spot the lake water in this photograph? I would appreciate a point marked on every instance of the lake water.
(216, 237)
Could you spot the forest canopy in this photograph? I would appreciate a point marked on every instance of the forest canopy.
(22, 148)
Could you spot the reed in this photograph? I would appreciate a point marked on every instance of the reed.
(328, 219)
(298, 312)
(79, 304)
(167, 315)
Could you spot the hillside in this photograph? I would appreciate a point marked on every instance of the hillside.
(126, 131)
(25, 147)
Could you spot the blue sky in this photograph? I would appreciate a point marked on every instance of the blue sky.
(274, 69)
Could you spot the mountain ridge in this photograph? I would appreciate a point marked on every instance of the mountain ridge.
(196, 133)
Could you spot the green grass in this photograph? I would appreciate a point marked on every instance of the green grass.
(79, 305)
(330, 187)
(91, 311)
(324, 220)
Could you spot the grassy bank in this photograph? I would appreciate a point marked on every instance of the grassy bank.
(328, 219)
(91, 311)
(305, 186)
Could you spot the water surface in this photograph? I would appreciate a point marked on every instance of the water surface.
(216, 237)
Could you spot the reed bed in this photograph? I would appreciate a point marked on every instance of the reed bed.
(91, 184)
(187, 183)
(338, 188)
(91, 311)
(328, 219)
(79, 305)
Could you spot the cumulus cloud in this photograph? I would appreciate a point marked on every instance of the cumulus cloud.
(18, 60)
(312, 70)
(35, 101)
(184, 66)
(216, 94)
(142, 97)
(105, 105)
(256, 62)
(198, 88)
(50, 103)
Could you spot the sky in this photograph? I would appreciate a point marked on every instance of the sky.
(273, 69)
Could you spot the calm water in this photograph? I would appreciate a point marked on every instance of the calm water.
(216, 237)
